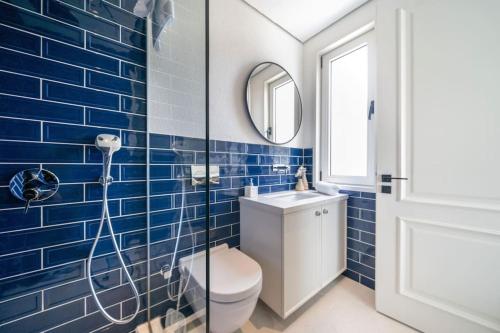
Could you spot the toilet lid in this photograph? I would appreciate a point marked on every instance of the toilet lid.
(234, 276)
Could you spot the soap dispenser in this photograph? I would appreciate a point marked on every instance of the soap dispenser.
(251, 191)
(301, 171)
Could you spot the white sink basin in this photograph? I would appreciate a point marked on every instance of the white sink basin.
(296, 196)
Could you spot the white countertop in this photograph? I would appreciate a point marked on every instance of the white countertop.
(290, 201)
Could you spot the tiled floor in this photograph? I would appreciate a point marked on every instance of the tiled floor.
(343, 307)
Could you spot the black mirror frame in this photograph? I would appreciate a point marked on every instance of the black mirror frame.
(248, 109)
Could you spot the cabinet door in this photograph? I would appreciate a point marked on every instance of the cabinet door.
(333, 241)
(302, 254)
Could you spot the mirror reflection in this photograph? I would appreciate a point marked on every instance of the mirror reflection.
(273, 103)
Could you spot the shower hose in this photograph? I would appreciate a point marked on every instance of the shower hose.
(105, 181)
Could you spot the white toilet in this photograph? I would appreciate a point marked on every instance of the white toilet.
(235, 285)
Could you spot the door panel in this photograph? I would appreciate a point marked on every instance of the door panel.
(438, 233)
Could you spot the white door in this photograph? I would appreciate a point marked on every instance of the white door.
(333, 241)
(438, 105)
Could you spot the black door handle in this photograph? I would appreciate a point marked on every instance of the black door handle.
(389, 178)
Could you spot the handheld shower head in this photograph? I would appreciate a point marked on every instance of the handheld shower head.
(108, 143)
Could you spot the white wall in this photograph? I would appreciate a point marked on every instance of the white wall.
(313, 49)
(240, 38)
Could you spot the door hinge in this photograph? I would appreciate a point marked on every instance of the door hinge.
(321, 62)
(371, 110)
(321, 175)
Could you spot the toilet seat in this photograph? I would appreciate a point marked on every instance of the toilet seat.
(234, 276)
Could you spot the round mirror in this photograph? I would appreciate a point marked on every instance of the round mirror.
(273, 103)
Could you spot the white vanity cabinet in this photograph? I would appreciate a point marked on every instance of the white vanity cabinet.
(299, 239)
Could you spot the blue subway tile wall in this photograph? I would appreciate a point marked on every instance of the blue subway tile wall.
(70, 70)
(361, 207)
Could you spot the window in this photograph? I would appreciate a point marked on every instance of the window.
(347, 136)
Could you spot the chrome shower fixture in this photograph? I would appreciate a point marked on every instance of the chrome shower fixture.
(109, 144)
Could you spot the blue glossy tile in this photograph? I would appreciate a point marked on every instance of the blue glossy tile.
(74, 290)
(77, 95)
(47, 319)
(169, 186)
(89, 323)
(134, 206)
(231, 170)
(134, 139)
(133, 38)
(352, 212)
(160, 202)
(133, 105)
(32, 5)
(191, 199)
(185, 143)
(360, 225)
(243, 181)
(351, 275)
(80, 57)
(127, 53)
(40, 110)
(124, 155)
(160, 141)
(368, 195)
(367, 238)
(81, 19)
(171, 156)
(232, 194)
(40, 237)
(257, 149)
(120, 224)
(353, 255)
(287, 179)
(133, 72)
(53, 132)
(289, 160)
(20, 263)
(36, 66)
(367, 282)
(116, 119)
(77, 212)
(361, 269)
(361, 203)
(115, 84)
(115, 14)
(296, 152)
(277, 150)
(41, 25)
(160, 172)
(269, 180)
(18, 40)
(215, 209)
(269, 160)
(220, 233)
(353, 233)
(368, 215)
(134, 239)
(170, 216)
(215, 158)
(40, 152)
(308, 161)
(244, 159)
(279, 188)
(75, 251)
(227, 219)
(367, 260)
(258, 170)
(228, 146)
(361, 247)
(308, 152)
(128, 5)
(80, 173)
(116, 190)
(19, 85)
(20, 307)
(22, 221)
(14, 129)
(133, 172)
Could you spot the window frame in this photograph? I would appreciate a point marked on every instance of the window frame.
(366, 183)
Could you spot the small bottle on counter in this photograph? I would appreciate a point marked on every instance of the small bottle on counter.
(251, 191)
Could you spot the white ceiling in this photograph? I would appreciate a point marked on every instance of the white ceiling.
(304, 18)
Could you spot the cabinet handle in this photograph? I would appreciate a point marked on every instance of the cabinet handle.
(325, 211)
(317, 213)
